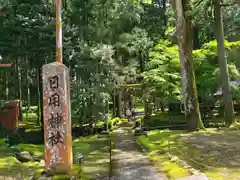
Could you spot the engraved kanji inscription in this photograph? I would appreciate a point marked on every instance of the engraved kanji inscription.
(55, 137)
(54, 100)
(55, 120)
(54, 82)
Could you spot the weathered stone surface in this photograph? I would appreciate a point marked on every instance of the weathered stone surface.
(24, 156)
(57, 117)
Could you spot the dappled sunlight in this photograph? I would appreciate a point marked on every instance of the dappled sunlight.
(96, 154)
(218, 149)
(8, 161)
(98, 161)
(128, 160)
(95, 150)
(10, 167)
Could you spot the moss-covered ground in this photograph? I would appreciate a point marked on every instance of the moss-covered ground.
(94, 148)
(214, 152)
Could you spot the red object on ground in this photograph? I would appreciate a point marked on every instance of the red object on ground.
(9, 115)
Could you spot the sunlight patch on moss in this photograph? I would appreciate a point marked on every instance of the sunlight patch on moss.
(8, 161)
(94, 148)
(209, 151)
(157, 145)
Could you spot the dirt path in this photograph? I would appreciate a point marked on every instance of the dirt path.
(128, 160)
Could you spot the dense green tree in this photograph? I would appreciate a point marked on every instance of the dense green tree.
(108, 44)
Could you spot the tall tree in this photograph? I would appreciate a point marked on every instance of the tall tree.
(226, 89)
(185, 43)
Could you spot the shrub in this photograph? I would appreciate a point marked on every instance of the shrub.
(139, 132)
(109, 125)
(14, 138)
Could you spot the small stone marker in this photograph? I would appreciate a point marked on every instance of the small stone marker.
(57, 117)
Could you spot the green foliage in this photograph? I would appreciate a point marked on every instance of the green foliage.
(162, 77)
(107, 59)
(163, 74)
(207, 67)
(107, 44)
(235, 93)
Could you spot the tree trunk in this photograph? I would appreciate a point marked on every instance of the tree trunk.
(164, 10)
(142, 62)
(125, 100)
(196, 43)
(38, 99)
(28, 84)
(40, 85)
(184, 36)
(226, 89)
(119, 104)
(162, 106)
(130, 103)
(19, 79)
(114, 102)
(146, 108)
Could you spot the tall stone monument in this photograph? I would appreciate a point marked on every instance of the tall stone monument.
(57, 117)
(57, 108)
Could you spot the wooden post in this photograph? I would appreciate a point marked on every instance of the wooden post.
(58, 31)
(57, 108)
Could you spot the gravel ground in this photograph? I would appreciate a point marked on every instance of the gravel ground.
(128, 160)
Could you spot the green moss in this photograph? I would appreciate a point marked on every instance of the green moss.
(37, 150)
(76, 171)
(38, 172)
(140, 108)
(157, 145)
(162, 119)
(94, 148)
(173, 170)
(196, 157)
(235, 126)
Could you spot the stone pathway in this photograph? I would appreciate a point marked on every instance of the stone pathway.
(129, 163)
(194, 177)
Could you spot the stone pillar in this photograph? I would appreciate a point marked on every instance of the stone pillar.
(57, 117)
